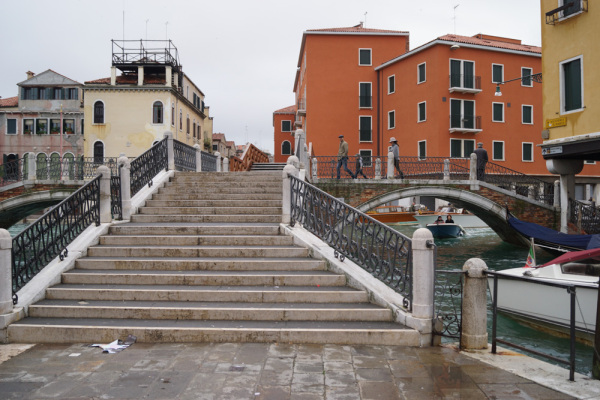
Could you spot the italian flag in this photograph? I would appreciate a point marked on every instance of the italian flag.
(531, 257)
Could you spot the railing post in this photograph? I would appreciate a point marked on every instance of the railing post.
(446, 170)
(218, 161)
(198, 157)
(556, 193)
(300, 147)
(286, 207)
(531, 192)
(32, 172)
(6, 304)
(423, 282)
(378, 168)
(170, 151)
(473, 167)
(105, 214)
(315, 169)
(390, 165)
(125, 173)
(225, 164)
(474, 306)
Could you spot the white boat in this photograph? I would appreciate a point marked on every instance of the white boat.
(460, 216)
(549, 306)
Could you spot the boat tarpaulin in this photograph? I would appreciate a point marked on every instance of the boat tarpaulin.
(575, 256)
(543, 234)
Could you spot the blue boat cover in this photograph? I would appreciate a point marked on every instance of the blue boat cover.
(541, 233)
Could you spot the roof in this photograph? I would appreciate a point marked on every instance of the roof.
(356, 29)
(480, 41)
(286, 110)
(9, 102)
(129, 80)
(218, 136)
(48, 78)
(230, 143)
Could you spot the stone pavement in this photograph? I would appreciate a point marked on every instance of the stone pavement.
(257, 371)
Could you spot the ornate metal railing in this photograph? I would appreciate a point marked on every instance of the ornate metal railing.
(519, 183)
(116, 205)
(209, 162)
(585, 217)
(380, 250)
(11, 172)
(185, 156)
(147, 165)
(448, 289)
(49, 236)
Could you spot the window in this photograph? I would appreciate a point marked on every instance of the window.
(187, 124)
(172, 114)
(157, 113)
(574, 8)
(571, 77)
(421, 77)
(461, 148)
(365, 134)
(422, 112)
(365, 94)
(98, 112)
(527, 152)
(57, 94)
(286, 148)
(391, 84)
(55, 126)
(11, 126)
(27, 126)
(41, 126)
(526, 77)
(526, 114)
(391, 119)
(286, 126)
(98, 153)
(364, 56)
(194, 129)
(422, 149)
(180, 119)
(498, 151)
(70, 93)
(367, 157)
(69, 126)
(462, 74)
(498, 112)
(497, 73)
(41, 159)
(462, 114)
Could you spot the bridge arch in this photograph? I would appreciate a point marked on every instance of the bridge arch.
(16, 208)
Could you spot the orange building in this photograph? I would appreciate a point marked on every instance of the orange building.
(283, 125)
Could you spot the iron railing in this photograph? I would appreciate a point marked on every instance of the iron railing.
(185, 156)
(463, 121)
(209, 162)
(48, 237)
(384, 252)
(448, 291)
(519, 183)
(11, 172)
(467, 82)
(147, 165)
(116, 204)
(586, 217)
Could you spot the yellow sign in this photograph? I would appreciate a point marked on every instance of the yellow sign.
(553, 123)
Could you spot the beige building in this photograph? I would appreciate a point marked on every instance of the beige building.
(146, 95)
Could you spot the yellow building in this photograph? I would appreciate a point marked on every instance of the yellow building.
(147, 95)
(571, 101)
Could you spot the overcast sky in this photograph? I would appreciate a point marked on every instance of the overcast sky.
(242, 54)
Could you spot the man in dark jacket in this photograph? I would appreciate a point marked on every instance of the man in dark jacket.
(343, 157)
(482, 159)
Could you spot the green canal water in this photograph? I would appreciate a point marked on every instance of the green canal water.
(485, 244)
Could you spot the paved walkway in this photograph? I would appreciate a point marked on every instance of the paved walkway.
(257, 371)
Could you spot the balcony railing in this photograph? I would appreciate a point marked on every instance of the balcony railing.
(465, 123)
(570, 8)
(301, 107)
(465, 83)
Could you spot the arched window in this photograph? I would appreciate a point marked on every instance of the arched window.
(55, 166)
(286, 148)
(98, 153)
(69, 165)
(98, 112)
(172, 114)
(180, 119)
(157, 113)
(187, 124)
(41, 166)
(194, 129)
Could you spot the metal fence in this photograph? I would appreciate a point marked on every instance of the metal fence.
(185, 156)
(384, 252)
(147, 165)
(11, 172)
(209, 162)
(520, 183)
(586, 217)
(448, 291)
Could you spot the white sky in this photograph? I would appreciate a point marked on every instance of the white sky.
(241, 53)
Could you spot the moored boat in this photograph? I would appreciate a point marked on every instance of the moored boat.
(392, 215)
(460, 216)
(445, 230)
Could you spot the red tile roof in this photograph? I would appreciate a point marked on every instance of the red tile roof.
(491, 41)
(98, 81)
(129, 80)
(218, 136)
(355, 29)
(286, 110)
(9, 102)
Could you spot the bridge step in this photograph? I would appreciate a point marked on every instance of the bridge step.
(204, 260)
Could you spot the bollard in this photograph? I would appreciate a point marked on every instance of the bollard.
(423, 282)
(289, 169)
(473, 167)
(218, 155)
(125, 173)
(170, 151)
(390, 165)
(198, 157)
(105, 214)
(6, 304)
(225, 164)
(474, 306)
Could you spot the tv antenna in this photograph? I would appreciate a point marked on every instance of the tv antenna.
(167, 30)
(147, 29)
(455, 17)
(365, 24)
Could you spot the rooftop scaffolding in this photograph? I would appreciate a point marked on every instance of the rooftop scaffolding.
(127, 55)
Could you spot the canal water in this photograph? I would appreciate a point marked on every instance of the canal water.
(485, 244)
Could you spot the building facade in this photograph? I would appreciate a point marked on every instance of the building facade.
(46, 117)
(283, 126)
(147, 95)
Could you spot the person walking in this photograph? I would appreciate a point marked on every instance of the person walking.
(482, 159)
(359, 166)
(396, 153)
(343, 157)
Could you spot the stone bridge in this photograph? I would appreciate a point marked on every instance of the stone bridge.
(488, 202)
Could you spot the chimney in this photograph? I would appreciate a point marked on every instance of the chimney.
(30, 74)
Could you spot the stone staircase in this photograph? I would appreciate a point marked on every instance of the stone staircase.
(267, 166)
(204, 261)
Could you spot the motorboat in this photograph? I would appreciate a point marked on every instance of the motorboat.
(393, 214)
(531, 295)
(460, 216)
(445, 230)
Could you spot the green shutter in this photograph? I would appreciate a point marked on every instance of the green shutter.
(455, 148)
(572, 85)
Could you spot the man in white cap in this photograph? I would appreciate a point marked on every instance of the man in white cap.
(396, 153)
(482, 159)
(343, 157)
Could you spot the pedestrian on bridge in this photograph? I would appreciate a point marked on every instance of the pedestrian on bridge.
(343, 157)
(359, 166)
(396, 153)
(482, 159)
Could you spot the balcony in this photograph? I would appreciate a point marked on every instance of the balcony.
(568, 9)
(465, 123)
(301, 107)
(462, 83)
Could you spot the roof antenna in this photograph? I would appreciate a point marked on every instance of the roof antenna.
(365, 24)
(455, 17)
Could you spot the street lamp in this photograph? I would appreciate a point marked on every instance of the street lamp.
(534, 77)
